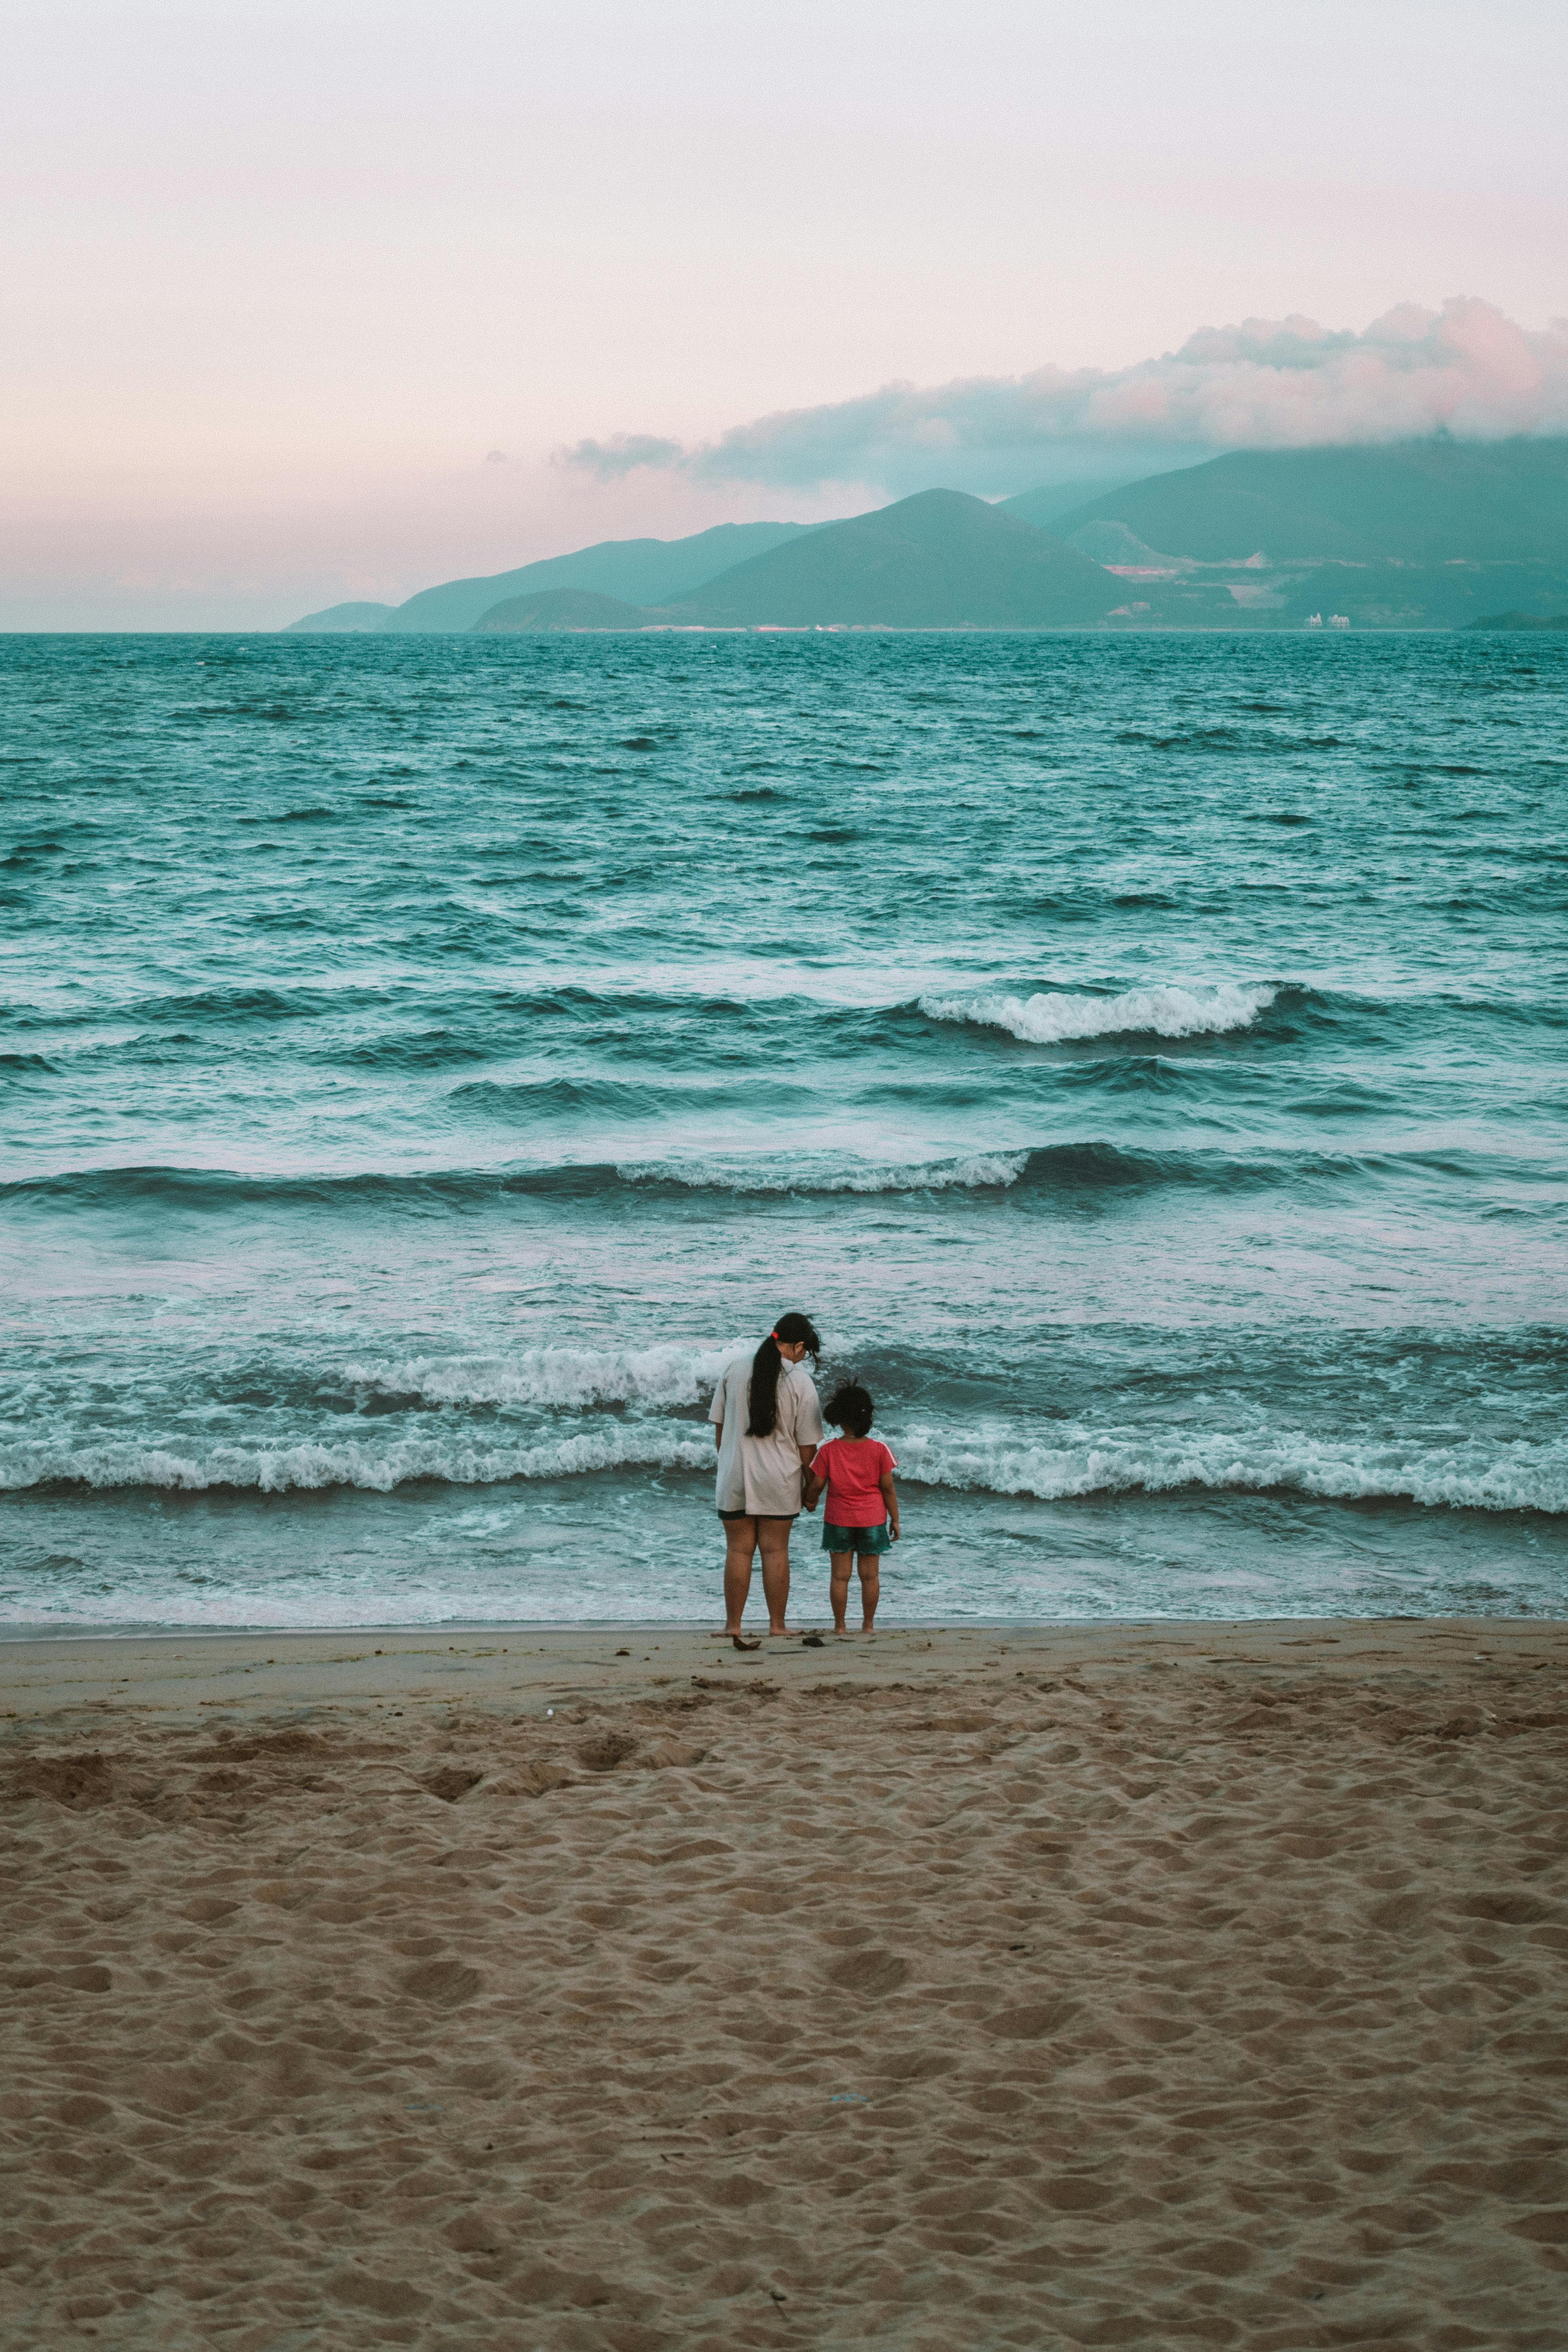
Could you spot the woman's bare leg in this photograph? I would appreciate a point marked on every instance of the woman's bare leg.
(740, 1543)
(773, 1540)
(838, 1588)
(870, 1586)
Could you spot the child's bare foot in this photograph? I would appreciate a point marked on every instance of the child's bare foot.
(844, 1634)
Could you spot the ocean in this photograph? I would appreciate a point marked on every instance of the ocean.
(425, 1060)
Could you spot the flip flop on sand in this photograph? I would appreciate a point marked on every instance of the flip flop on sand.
(744, 1645)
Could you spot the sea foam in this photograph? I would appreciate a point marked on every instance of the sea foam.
(447, 1457)
(671, 1373)
(976, 1172)
(1054, 1017)
(1480, 1475)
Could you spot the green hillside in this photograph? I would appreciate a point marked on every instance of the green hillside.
(561, 608)
(637, 571)
(359, 620)
(940, 559)
(1520, 621)
(1045, 508)
(1413, 502)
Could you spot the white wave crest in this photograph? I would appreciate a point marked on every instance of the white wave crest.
(975, 1172)
(1479, 1475)
(1055, 1018)
(377, 1468)
(673, 1373)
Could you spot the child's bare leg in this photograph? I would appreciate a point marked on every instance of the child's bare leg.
(870, 1587)
(838, 1588)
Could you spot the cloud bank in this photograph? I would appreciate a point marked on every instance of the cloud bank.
(1267, 384)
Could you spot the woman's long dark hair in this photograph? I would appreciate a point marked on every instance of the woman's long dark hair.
(766, 1366)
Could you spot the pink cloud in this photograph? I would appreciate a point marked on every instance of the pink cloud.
(1290, 382)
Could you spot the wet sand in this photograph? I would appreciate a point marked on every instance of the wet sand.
(1124, 1985)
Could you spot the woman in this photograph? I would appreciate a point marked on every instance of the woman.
(768, 1426)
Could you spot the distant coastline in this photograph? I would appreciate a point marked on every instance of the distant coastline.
(1424, 535)
(1520, 621)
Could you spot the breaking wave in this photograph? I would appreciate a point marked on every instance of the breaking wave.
(671, 1374)
(1088, 1165)
(211, 1189)
(1482, 1477)
(981, 1172)
(447, 1458)
(1479, 1476)
(1054, 1018)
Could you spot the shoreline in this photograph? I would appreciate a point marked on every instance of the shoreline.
(477, 1628)
(506, 1665)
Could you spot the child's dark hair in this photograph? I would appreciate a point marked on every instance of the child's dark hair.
(850, 1409)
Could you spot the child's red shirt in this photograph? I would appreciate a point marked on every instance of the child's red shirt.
(853, 1467)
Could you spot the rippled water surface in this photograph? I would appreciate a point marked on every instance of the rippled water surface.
(424, 1060)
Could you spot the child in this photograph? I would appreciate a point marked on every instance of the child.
(862, 1515)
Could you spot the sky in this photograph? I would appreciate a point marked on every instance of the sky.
(310, 302)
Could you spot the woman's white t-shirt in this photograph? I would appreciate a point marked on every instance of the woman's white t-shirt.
(761, 1474)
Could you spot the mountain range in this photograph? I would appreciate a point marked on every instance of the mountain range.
(562, 608)
(1421, 534)
(1520, 621)
(1415, 502)
(636, 570)
(940, 559)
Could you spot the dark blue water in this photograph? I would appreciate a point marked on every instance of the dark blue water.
(425, 1059)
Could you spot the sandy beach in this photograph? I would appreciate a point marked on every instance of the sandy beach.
(1128, 1986)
